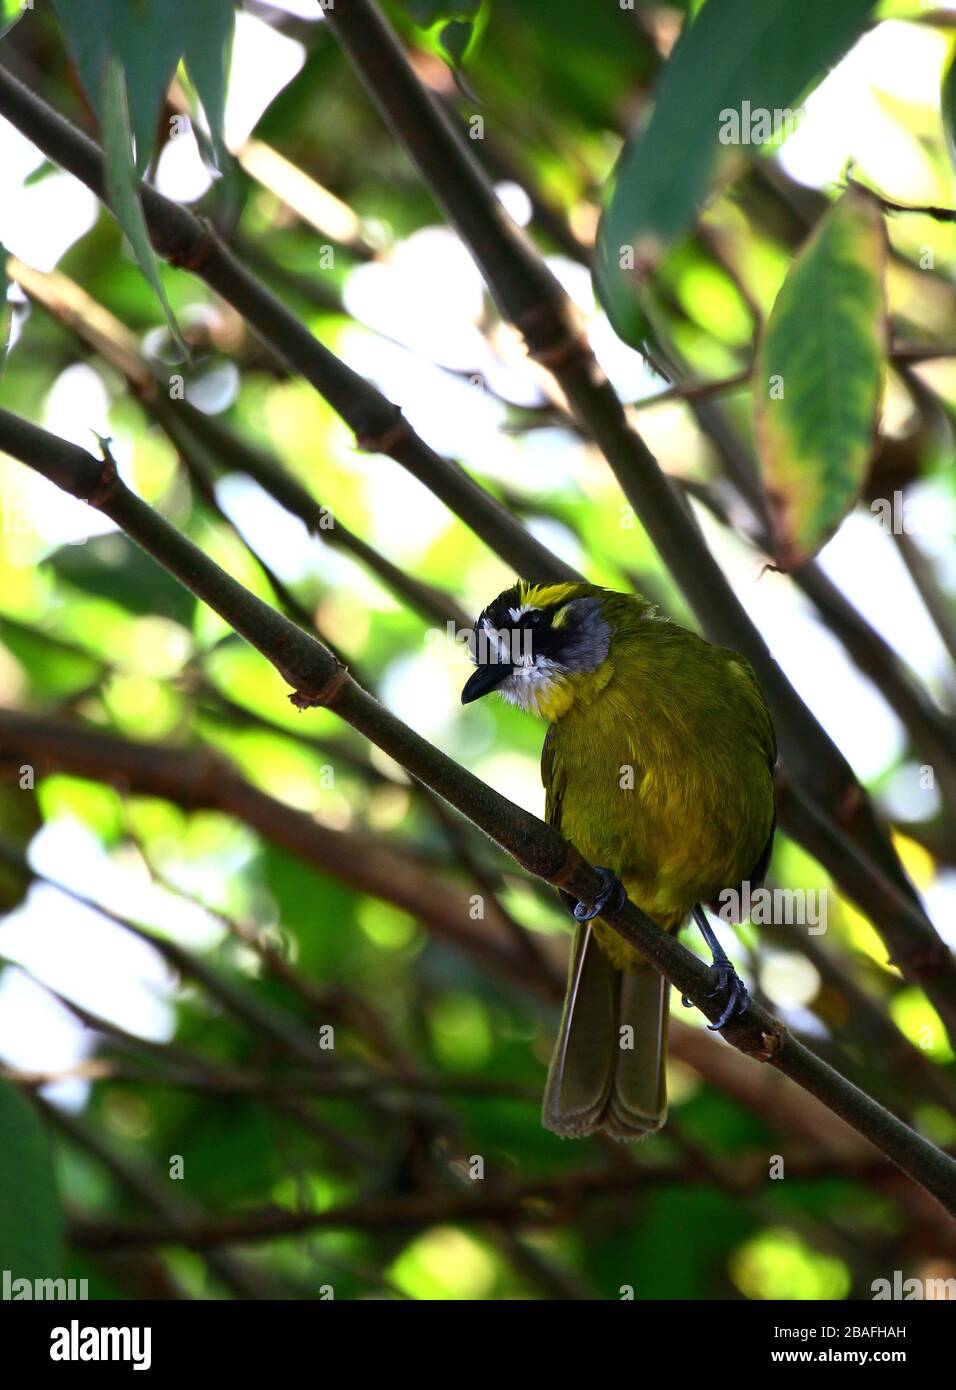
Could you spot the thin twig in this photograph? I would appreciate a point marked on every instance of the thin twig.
(537, 1202)
(938, 214)
(180, 1215)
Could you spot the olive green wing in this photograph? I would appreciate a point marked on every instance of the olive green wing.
(754, 696)
(763, 724)
(554, 778)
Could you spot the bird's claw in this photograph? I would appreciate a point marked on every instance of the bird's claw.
(611, 895)
(728, 982)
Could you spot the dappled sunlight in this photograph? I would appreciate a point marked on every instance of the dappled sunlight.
(332, 988)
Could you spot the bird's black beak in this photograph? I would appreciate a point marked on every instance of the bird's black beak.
(484, 679)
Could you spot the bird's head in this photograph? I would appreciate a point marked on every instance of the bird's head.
(537, 644)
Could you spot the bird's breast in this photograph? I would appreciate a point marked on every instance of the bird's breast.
(677, 817)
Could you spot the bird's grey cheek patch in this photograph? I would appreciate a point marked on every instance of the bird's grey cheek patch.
(588, 636)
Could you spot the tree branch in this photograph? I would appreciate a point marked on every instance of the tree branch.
(99, 329)
(317, 679)
(537, 1202)
(208, 781)
(532, 299)
(180, 1215)
(172, 774)
(379, 426)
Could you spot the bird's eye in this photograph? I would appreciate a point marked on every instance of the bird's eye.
(538, 618)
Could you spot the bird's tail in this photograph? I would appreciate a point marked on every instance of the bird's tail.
(607, 1072)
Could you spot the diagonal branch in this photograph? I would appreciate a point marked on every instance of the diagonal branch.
(317, 679)
(99, 329)
(380, 427)
(193, 782)
(207, 781)
(377, 423)
(530, 296)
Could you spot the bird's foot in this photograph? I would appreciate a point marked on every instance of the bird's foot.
(727, 981)
(612, 896)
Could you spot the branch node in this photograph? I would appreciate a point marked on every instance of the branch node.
(563, 353)
(325, 695)
(188, 250)
(767, 1047)
(565, 341)
(386, 440)
(108, 481)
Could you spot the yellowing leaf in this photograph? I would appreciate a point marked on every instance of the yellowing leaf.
(820, 370)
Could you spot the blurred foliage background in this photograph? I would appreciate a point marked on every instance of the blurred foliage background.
(263, 1000)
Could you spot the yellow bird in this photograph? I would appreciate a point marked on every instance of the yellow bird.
(658, 767)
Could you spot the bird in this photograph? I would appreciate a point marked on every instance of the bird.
(658, 767)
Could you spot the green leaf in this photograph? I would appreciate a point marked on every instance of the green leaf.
(10, 12)
(453, 28)
(767, 55)
(53, 671)
(147, 42)
(112, 567)
(207, 51)
(149, 38)
(455, 39)
(41, 172)
(122, 187)
(947, 105)
(426, 13)
(31, 1220)
(820, 369)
